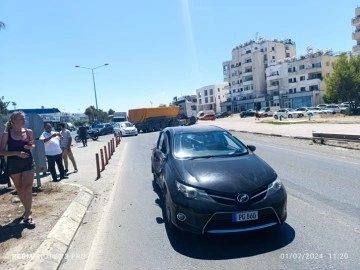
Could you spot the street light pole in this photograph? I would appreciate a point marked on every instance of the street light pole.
(93, 77)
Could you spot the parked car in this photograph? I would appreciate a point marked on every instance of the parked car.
(125, 129)
(212, 183)
(209, 116)
(104, 129)
(222, 114)
(249, 112)
(287, 113)
(311, 111)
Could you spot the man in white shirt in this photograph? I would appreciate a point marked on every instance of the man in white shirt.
(53, 152)
(65, 144)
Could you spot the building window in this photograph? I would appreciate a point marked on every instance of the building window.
(218, 97)
(316, 65)
(199, 94)
(290, 80)
(218, 89)
(290, 91)
(273, 57)
(205, 93)
(327, 63)
(287, 54)
(302, 89)
(200, 102)
(313, 87)
(301, 67)
(206, 100)
(211, 92)
(302, 78)
(211, 99)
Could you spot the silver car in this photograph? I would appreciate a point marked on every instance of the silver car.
(125, 129)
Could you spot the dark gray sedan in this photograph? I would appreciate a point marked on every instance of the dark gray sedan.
(212, 183)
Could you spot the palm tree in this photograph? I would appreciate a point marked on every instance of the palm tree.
(2, 25)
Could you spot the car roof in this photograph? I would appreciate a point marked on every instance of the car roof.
(193, 129)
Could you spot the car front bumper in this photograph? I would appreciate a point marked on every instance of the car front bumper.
(214, 218)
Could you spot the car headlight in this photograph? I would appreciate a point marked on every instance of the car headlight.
(191, 192)
(276, 185)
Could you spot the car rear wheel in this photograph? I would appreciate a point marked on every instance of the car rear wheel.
(290, 116)
(276, 117)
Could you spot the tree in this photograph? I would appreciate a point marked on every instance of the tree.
(90, 113)
(2, 25)
(344, 83)
(3, 106)
(111, 112)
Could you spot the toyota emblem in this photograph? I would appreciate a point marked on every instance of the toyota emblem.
(242, 198)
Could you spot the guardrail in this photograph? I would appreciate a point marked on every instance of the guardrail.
(322, 137)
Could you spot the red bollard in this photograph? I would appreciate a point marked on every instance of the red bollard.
(102, 160)
(106, 157)
(97, 166)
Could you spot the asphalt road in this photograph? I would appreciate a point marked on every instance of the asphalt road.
(124, 227)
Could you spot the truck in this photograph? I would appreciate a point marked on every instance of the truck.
(155, 119)
(119, 117)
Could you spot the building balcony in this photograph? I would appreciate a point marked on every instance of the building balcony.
(355, 21)
(273, 88)
(356, 35)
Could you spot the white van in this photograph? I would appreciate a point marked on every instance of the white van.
(205, 112)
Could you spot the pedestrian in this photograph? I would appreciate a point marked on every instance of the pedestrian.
(53, 152)
(83, 134)
(17, 142)
(257, 116)
(65, 144)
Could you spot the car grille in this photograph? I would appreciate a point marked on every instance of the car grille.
(230, 198)
(223, 221)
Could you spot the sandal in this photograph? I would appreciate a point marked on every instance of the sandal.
(29, 221)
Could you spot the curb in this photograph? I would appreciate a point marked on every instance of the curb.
(51, 252)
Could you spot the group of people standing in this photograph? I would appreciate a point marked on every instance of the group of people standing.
(17, 143)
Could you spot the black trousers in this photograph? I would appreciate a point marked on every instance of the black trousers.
(51, 164)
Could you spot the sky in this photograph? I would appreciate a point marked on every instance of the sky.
(155, 50)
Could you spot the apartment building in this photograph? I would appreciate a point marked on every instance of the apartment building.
(297, 82)
(245, 73)
(356, 34)
(210, 97)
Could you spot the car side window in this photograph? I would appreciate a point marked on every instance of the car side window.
(162, 145)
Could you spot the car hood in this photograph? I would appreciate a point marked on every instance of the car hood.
(232, 174)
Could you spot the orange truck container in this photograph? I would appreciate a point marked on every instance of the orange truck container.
(140, 115)
(153, 119)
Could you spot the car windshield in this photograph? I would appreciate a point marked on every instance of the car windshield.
(207, 144)
(99, 126)
(126, 125)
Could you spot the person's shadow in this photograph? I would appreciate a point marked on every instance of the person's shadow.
(13, 229)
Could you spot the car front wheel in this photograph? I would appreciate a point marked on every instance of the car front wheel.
(290, 116)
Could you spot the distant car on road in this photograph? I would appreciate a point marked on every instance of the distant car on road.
(104, 129)
(212, 183)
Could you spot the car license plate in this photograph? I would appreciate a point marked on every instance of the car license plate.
(245, 216)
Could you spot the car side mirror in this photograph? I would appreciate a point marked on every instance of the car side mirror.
(252, 147)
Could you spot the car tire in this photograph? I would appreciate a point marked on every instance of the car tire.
(276, 117)
(290, 116)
